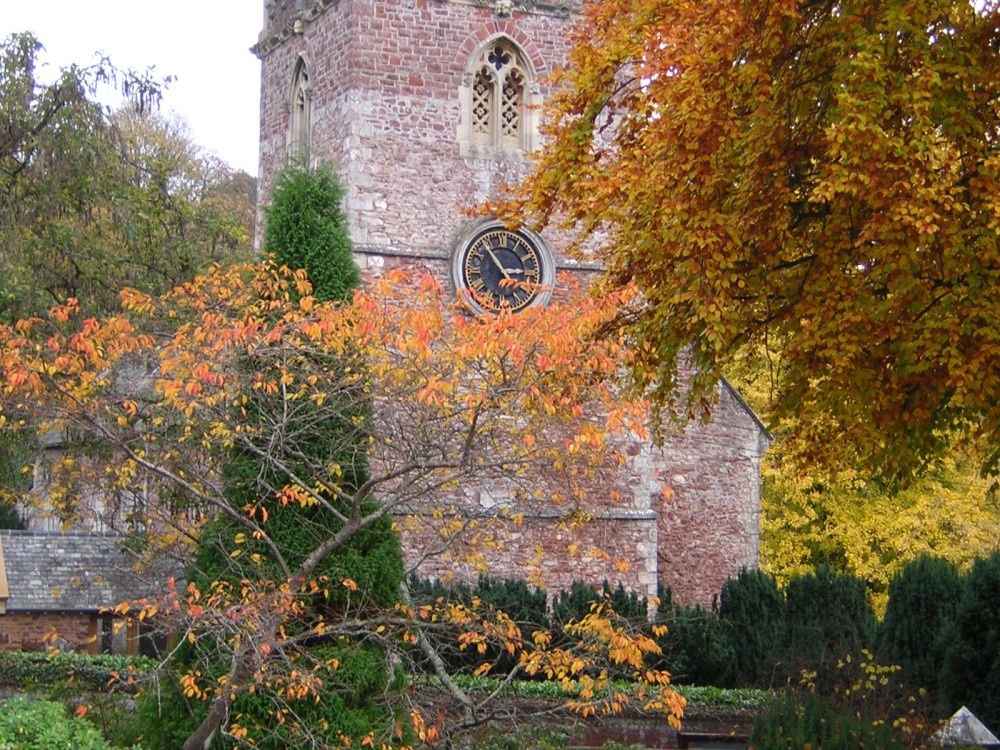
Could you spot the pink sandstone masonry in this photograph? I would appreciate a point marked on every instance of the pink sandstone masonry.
(385, 106)
(28, 631)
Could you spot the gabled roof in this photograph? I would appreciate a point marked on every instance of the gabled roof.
(73, 572)
(748, 409)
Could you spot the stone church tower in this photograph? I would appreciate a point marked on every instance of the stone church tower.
(426, 107)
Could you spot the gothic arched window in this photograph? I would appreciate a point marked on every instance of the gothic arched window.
(300, 119)
(497, 101)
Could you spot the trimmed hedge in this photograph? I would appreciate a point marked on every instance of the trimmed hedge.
(826, 616)
(752, 610)
(87, 672)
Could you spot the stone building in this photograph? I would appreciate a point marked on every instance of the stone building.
(426, 107)
(65, 584)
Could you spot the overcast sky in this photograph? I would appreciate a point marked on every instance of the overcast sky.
(203, 43)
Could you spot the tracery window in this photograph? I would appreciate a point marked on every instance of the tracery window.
(498, 100)
(300, 120)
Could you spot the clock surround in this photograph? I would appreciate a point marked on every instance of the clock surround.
(495, 268)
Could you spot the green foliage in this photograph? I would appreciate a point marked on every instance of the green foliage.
(43, 725)
(862, 687)
(354, 675)
(826, 616)
(696, 648)
(971, 675)
(532, 738)
(285, 445)
(921, 608)
(84, 672)
(716, 697)
(525, 605)
(426, 590)
(164, 716)
(9, 518)
(752, 609)
(371, 557)
(306, 228)
(348, 705)
(577, 602)
(705, 696)
(786, 725)
(92, 201)
(16, 452)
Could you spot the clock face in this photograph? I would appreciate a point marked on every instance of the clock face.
(501, 269)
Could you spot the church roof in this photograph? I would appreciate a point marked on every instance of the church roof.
(57, 572)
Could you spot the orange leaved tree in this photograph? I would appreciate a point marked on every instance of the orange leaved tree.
(820, 178)
(150, 405)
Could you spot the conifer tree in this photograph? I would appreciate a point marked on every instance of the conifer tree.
(827, 617)
(307, 229)
(971, 674)
(753, 609)
(921, 609)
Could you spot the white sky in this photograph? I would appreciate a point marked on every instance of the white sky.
(203, 43)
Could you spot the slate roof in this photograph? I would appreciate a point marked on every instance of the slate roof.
(71, 572)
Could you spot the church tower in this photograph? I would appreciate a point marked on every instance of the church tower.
(425, 107)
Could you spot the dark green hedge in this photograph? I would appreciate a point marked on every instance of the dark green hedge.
(31, 670)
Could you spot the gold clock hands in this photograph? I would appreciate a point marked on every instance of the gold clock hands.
(498, 263)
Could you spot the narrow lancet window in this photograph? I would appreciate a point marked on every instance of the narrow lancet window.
(300, 122)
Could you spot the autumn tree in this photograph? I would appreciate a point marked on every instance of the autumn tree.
(841, 519)
(94, 200)
(855, 526)
(305, 229)
(159, 399)
(814, 178)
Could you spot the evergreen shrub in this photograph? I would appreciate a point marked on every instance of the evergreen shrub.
(525, 605)
(349, 706)
(45, 725)
(827, 616)
(971, 674)
(752, 612)
(923, 600)
(575, 604)
(307, 229)
(35, 670)
(696, 649)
